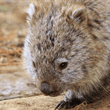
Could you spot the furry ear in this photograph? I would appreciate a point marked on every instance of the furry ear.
(31, 10)
(77, 14)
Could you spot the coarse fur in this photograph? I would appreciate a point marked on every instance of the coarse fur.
(72, 31)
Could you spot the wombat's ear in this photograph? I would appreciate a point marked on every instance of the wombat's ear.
(77, 14)
(31, 10)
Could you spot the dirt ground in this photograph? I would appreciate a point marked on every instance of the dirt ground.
(14, 82)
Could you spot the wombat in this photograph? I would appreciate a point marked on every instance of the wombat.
(68, 48)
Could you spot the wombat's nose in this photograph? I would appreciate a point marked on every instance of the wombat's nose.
(45, 88)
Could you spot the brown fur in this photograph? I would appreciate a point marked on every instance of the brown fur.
(75, 31)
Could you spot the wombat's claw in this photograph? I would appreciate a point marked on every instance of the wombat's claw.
(66, 105)
(61, 104)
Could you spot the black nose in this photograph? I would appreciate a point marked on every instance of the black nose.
(45, 88)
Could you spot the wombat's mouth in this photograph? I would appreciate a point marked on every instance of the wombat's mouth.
(55, 93)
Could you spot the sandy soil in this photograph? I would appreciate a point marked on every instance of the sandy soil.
(42, 102)
(14, 82)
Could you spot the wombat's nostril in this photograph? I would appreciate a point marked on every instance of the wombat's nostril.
(45, 88)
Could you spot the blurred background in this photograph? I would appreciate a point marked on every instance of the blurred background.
(13, 29)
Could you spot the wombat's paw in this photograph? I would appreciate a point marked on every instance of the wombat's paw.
(63, 104)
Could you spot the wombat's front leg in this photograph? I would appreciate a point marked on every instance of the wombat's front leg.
(69, 101)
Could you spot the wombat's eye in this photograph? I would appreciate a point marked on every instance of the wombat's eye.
(63, 65)
(34, 64)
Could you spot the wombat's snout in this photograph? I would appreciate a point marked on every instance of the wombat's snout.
(45, 88)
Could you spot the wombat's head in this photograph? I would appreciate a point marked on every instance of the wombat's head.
(56, 48)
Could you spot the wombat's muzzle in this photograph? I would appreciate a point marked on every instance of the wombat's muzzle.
(45, 88)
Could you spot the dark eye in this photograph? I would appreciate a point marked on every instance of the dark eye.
(63, 65)
(34, 64)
